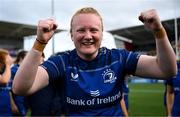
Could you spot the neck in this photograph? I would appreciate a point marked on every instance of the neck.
(88, 57)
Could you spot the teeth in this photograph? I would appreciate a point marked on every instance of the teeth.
(87, 43)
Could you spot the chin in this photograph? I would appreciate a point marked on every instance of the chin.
(89, 51)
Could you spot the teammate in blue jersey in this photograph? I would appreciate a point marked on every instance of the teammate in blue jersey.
(124, 103)
(92, 76)
(19, 100)
(126, 94)
(47, 101)
(173, 94)
(5, 74)
(164, 97)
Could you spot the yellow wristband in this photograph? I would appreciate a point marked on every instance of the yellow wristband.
(160, 33)
(39, 45)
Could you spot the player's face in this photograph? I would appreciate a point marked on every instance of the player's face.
(87, 35)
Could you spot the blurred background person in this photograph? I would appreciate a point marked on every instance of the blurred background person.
(173, 94)
(124, 108)
(45, 102)
(19, 100)
(124, 101)
(5, 73)
(164, 97)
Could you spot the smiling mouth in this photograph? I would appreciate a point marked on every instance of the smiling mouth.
(88, 43)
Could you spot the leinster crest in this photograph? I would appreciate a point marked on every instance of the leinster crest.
(109, 76)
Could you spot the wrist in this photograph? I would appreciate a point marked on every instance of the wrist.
(8, 66)
(160, 33)
(41, 42)
(39, 45)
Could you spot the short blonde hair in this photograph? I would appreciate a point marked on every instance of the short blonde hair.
(86, 10)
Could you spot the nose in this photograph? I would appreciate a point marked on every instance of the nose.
(88, 35)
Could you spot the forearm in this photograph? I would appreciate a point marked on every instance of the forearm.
(26, 73)
(13, 105)
(164, 65)
(166, 58)
(169, 103)
(123, 107)
(5, 77)
(29, 77)
(169, 99)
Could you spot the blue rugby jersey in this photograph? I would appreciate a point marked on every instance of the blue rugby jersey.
(175, 83)
(126, 93)
(5, 103)
(92, 87)
(19, 100)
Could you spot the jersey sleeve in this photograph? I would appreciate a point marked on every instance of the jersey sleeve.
(54, 66)
(131, 60)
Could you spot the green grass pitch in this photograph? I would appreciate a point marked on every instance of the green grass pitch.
(146, 99)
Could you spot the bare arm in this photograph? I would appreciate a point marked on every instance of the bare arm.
(169, 99)
(13, 105)
(30, 77)
(123, 107)
(164, 64)
(5, 77)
